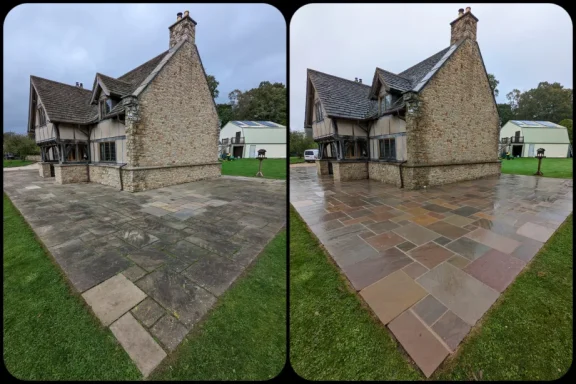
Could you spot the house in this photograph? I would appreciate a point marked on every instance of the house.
(522, 138)
(244, 138)
(154, 126)
(433, 123)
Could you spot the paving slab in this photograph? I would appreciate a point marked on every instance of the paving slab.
(113, 298)
(451, 329)
(415, 270)
(416, 234)
(495, 269)
(493, 240)
(464, 295)
(429, 309)
(447, 230)
(420, 343)
(138, 343)
(148, 312)
(213, 273)
(430, 254)
(134, 273)
(370, 270)
(169, 331)
(535, 231)
(468, 248)
(392, 295)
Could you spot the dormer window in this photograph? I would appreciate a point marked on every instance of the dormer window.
(385, 103)
(106, 106)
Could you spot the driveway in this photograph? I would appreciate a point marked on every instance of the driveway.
(153, 262)
(431, 262)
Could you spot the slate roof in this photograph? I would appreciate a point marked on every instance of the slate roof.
(63, 102)
(349, 99)
(341, 97)
(68, 103)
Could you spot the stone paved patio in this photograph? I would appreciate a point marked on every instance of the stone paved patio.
(151, 264)
(431, 262)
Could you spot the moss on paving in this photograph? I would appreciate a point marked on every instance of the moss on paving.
(271, 168)
(332, 336)
(49, 334)
(244, 337)
(558, 168)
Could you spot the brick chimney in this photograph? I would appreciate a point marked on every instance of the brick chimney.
(464, 26)
(184, 26)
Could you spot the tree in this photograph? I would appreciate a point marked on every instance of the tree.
(547, 102)
(266, 103)
(493, 84)
(213, 85)
(299, 143)
(19, 145)
(505, 112)
(568, 124)
(224, 114)
(513, 99)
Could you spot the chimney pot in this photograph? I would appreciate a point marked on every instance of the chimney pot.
(360, 81)
(460, 12)
(468, 9)
(185, 13)
(356, 79)
(77, 84)
(178, 16)
(81, 86)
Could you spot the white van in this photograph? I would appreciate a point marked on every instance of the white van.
(310, 155)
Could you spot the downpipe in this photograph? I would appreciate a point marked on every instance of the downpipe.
(400, 169)
(120, 175)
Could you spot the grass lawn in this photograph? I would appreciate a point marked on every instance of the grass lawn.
(296, 160)
(49, 334)
(16, 163)
(560, 168)
(271, 168)
(332, 337)
(244, 338)
(526, 336)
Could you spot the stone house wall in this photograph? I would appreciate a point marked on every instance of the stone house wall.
(344, 171)
(105, 174)
(386, 172)
(70, 173)
(142, 179)
(178, 123)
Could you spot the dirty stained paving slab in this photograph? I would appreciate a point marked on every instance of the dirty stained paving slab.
(151, 264)
(430, 263)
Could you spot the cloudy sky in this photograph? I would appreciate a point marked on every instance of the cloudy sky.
(521, 44)
(240, 44)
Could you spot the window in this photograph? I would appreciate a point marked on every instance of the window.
(42, 116)
(388, 149)
(319, 116)
(106, 106)
(388, 101)
(108, 151)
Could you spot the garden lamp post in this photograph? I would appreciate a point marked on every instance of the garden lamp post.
(261, 156)
(539, 156)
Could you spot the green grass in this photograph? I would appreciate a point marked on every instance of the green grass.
(16, 163)
(332, 336)
(49, 334)
(560, 168)
(527, 335)
(271, 168)
(296, 160)
(244, 338)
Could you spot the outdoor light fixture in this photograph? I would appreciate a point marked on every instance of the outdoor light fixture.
(261, 156)
(539, 156)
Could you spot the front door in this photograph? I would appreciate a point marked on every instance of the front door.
(252, 151)
(237, 152)
(531, 150)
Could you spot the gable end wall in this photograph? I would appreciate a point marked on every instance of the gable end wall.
(457, 120)
(178, 121)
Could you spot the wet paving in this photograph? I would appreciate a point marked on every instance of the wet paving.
(431, 262)
(165, 255)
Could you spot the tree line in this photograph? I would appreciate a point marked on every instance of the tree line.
(267, 102)
(20, 145)
(547, 102)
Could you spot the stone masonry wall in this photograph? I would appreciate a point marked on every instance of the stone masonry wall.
(33, 158)
(322, 167)
(178, 123)
(344, 171)
(142, 179)
(70, 173)
(417, 178)
(105, 174)
(387, 173)
(44, 169)
(464, 27)
(455, 119)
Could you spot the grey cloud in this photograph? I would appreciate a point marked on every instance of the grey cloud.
(521, 44)
(240, 44)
